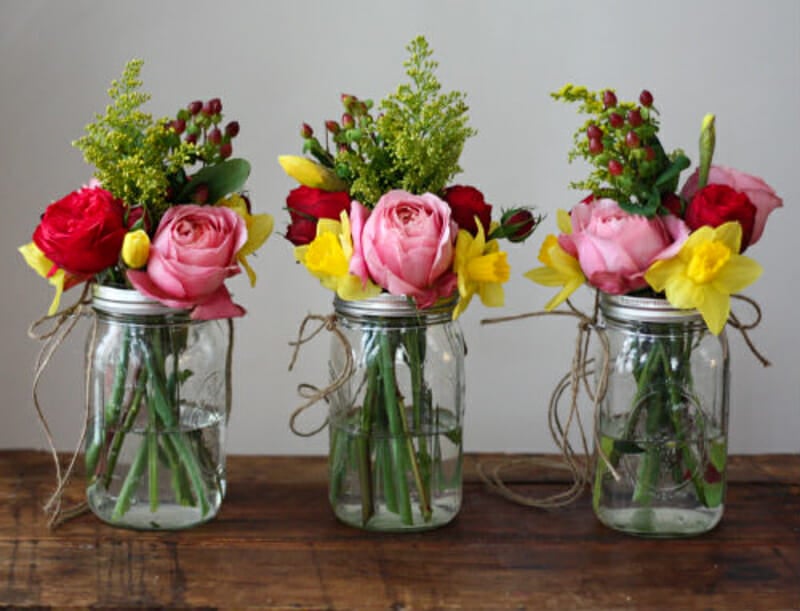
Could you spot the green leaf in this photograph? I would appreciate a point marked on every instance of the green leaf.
(222, 179)
(624, 446)
(667, 182)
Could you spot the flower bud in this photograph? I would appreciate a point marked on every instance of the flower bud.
(214, 136)
(332, 127)
(226, 150)
(200, 194)
(136, 248)
(195, 107)
(347, 121)
(306, 131)
(179, 125)
(517, 224)
(232, 129)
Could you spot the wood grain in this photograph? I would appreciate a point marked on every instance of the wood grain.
(276, 545)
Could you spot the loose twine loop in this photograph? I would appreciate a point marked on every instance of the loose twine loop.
(311, 393)
(581, 469)
(64, 322)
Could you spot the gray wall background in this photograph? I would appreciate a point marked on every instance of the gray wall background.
(277, 64)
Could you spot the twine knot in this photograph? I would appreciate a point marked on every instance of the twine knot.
(312, 393)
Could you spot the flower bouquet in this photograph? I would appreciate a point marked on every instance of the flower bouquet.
(376, 221)
(154, 237)
(665, 261)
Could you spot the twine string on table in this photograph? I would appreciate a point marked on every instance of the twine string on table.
(581, 370)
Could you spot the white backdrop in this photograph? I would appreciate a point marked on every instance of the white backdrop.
(277, 64)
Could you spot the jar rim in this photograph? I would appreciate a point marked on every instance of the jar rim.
(646, 309)
(392, 306)
(114, 300)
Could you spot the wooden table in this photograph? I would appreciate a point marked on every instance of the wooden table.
(276, 545)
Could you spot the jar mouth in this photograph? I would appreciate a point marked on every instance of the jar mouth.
(387, 305)
(646, 309)
(115, 300)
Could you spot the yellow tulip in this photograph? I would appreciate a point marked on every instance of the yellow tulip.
(311, 174)
(136, 248)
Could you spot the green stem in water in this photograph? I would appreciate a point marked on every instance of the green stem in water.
(165, 413)
(120, 432)
(398, 449)
(114, 404)
(413, 342)
(131, 481)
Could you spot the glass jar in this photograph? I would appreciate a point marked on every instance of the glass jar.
(396, 424)
(159, 395)
(663, 422)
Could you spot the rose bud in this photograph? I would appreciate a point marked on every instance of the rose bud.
(518, 223)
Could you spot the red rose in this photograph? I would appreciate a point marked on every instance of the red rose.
(83, 232)
(716, 204)
(466, 203)
(306, 205)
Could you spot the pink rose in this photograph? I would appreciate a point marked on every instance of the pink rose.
(406, 246)
(615, 248)
(192, 254)
(760, 194)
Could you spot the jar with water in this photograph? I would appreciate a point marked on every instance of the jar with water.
(663, 421)
(396, 423)
(159, 394)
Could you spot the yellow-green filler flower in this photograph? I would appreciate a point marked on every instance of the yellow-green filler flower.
(705, 273)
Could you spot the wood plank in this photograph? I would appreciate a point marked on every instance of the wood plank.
(276, 545)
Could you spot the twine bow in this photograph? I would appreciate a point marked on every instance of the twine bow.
(582, 470)
(311, 393)
(64, 322)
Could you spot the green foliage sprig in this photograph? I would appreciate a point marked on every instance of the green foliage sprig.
(620, 140)
(136, 158)
(414, 143)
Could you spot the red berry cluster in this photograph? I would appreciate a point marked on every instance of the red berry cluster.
(198, 124)
(354, 127)
(621, 129)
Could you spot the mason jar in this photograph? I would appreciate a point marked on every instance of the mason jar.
(396, 423)
(663, 422)
(159, 393)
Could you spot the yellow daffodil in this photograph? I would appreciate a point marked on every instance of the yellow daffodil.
(43, 266)
(704, 274)
(327, 257)
(136, 248)
(481, 268)
(259, 228)
(311, 174)
(561, 269)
